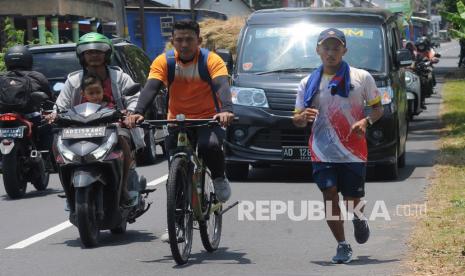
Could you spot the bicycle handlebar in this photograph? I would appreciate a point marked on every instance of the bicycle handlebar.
(209, 121)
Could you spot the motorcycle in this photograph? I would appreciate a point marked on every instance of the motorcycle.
(22, 162)
(424, 69)
(90, 166)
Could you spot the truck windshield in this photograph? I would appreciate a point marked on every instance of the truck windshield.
(268, 49)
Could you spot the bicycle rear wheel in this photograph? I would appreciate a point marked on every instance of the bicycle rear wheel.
(210, 229)
(179, 210)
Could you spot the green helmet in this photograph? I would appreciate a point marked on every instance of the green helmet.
(94, 41)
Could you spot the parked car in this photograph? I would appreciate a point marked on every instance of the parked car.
(57, 61)
(276, 49)
(413, 85)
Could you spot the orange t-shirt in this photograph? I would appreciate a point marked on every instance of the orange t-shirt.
(189, 94)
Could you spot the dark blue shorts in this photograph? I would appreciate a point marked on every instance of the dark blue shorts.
(349, 178)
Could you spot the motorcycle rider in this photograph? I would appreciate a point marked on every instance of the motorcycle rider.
(94, 51)
(426, 52)
(19, 59)
(462, 52)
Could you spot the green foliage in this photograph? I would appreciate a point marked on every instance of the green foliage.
(457, 19)
(450, 5)
(13, 37)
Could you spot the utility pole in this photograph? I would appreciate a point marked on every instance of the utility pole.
(142, 23)
(192, 10)
(429, 8)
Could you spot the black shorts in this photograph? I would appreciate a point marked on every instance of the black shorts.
(349, 178)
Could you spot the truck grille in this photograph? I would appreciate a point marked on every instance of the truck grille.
(277, 138)
(280, 100)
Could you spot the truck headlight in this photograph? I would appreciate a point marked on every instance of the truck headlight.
(249, 96)
(408, 78)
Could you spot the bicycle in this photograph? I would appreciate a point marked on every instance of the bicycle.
(190, 193)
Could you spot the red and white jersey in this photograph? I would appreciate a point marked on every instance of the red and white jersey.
(331, 139)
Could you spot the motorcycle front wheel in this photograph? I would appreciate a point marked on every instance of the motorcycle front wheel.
(86, 214)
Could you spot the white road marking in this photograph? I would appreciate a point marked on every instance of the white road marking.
(64, 225)
(40, 236)
(158, 180)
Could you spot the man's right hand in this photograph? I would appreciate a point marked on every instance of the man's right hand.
(133, 119)
(50, 118)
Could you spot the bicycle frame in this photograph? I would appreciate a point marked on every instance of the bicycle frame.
(184, 149)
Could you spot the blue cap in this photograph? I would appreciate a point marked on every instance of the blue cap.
(332, 33)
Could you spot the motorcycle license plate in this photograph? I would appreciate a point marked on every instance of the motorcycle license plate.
(16, 132)
(296, 153)
(83, 132)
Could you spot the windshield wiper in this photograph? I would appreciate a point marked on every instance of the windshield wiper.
(286, 70)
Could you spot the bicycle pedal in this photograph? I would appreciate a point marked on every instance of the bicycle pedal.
(229, 207)
(62, 196)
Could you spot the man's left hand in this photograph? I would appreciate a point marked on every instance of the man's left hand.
(224, 118)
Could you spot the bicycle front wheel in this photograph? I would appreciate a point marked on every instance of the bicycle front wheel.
(179, 210)
(210, 229)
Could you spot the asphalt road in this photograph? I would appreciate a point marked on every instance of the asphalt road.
(36, 238)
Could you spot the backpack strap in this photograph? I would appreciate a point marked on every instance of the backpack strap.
(205, 75)
(171, 61)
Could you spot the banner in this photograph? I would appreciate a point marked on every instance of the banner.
(403, 6)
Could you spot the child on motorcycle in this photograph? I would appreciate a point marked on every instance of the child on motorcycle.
(92, 92)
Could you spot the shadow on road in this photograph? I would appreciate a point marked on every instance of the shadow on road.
(34, 194)
(361, 260)
(107, 239)
(220, 256)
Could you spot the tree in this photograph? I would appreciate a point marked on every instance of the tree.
(13, 37)
(451, 5)
(457, 19)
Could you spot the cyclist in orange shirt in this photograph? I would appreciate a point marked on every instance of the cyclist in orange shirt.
(191, 95)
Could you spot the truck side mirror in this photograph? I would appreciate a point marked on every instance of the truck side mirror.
(227, 58)
(404, 58)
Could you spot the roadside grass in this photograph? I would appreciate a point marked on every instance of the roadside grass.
(438, 240)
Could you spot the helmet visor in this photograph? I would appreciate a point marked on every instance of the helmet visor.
(92, 46)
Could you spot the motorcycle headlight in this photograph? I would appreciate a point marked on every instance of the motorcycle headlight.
(387, 94)
(249, 96)
(105, 148)
(65, 152)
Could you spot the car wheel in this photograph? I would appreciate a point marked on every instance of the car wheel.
(237, 171)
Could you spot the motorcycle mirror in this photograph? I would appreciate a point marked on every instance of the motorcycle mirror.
(38, 97)
(133, 89)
